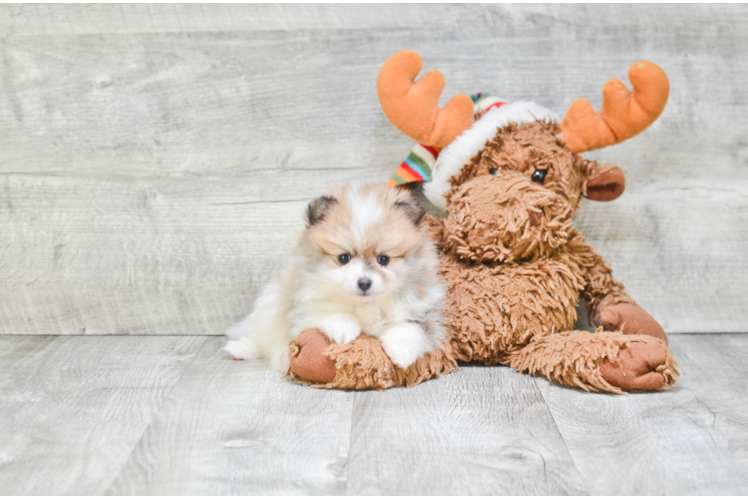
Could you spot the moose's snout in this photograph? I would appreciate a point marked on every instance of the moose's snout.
(364, 284)
(505, 218)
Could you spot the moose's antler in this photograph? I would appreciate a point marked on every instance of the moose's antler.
(413, 107)
(623, 114)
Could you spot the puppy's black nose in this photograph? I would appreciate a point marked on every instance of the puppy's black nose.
(364, 284)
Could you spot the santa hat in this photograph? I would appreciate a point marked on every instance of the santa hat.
(436, 166)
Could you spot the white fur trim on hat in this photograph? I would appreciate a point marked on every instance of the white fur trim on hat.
(460, 151)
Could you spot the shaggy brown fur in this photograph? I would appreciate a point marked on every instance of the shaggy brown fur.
(516, 268)
(576, 358)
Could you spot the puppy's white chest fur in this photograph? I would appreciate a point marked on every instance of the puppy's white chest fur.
(372, 317)
(403, 341)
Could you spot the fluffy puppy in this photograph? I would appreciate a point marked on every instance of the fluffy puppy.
(362, 264)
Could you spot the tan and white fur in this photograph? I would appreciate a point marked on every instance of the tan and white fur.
(362, 265)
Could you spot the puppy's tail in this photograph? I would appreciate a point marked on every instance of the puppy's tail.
(264, 333)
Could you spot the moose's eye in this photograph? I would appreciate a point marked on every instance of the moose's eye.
(344, 258)
(539, 176)
(383, 260)
(493, 171)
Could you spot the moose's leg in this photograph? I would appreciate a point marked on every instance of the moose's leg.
(599, 361)
(608, 304)
(361, 364)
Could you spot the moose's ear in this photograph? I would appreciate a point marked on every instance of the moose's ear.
(414, 211)
(316, 210)
(603, 182)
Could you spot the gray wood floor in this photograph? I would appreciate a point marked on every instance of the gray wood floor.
(172, 415)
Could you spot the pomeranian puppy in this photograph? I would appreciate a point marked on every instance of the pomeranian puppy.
(361, 265)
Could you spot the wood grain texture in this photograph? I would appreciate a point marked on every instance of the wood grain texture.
(481, 431)
(73, 408)
(172, 415)
(232, 427)
(155, 159)
(681, 250)
(109, 18)
(690, 440)
(101, 19)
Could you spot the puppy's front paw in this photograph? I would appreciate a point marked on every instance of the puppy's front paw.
(404, 343)
(341, 328)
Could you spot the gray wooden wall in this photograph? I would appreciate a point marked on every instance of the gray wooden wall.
(155, 160)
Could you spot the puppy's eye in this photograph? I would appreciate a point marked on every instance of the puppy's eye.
(383, 260)
(539, 176)
(493, 171)
(344, 258)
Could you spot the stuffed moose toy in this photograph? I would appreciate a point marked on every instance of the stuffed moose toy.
(510, 177)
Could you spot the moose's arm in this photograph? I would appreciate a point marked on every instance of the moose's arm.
(601, 289)
(608, 304)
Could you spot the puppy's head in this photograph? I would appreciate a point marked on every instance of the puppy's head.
(364, 241)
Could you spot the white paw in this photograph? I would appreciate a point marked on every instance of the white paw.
(341, 328)
(404, 343)
(241, 349)
(285, 362)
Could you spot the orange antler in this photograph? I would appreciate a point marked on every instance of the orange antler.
(623, 114)
(414, 107)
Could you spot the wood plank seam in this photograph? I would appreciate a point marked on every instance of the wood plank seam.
(155, 413)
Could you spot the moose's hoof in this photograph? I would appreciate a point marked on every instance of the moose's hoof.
(631, 320)
(636, 367)
(308, 360)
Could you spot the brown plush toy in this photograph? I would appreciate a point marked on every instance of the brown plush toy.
(510, 177)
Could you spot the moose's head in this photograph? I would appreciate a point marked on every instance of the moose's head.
(511, 176)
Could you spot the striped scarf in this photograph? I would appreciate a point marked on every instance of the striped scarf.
(419, 165)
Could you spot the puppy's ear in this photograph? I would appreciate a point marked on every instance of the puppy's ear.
(316, 210)
(413, 210)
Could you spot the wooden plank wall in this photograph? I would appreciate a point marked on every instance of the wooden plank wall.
(155, 160)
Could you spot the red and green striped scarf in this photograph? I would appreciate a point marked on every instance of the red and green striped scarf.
(419, 165)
